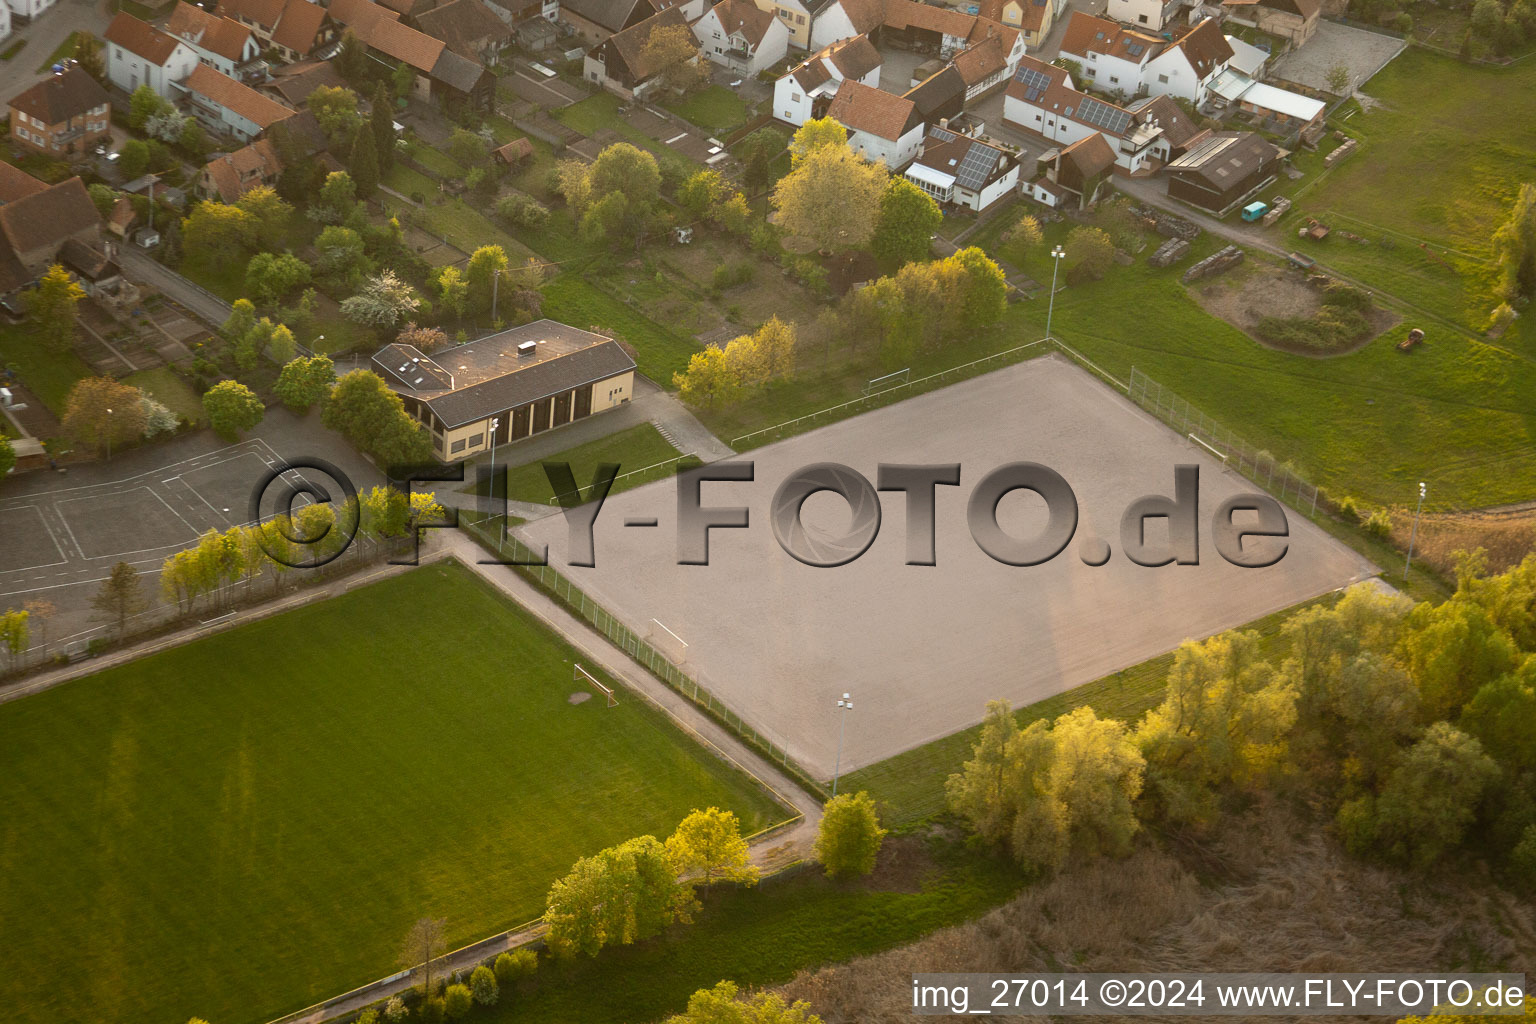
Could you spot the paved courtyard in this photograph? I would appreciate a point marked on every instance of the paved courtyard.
(1362, 51)
(923, 648)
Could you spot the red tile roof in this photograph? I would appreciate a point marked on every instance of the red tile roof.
(299, 26)
(48, 217)
(263, 12)
(60, 97)
(219, 88)
(1089, 156)
(1086, 34)
(981, 61)
(141, 38)
(1205, 47)
(873, 111)
(744, 17)
(401, 43)
(16, 183)
(223, 36)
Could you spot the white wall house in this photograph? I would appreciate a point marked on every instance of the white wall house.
(226, 105)
(963, 171)
(1150, 15)
(221, 43)
(881, 125)
(140, 54)
(1041, 100)
(1187, 67)
(24, 11)
(1113, 57)
(797, 91)
(739, 36)
(838, 20)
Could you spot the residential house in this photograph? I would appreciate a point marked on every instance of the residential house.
(292, 83)
(939, 97)
(229, 176)
(64, 116)
(228, 106)
(1114, 58)
(1294, 20)
(805, 90)
(1179, 129)
(963, 171)
(881, 125)
(1219, 173)
(832, 21)
(1281, 109)
(938, 30)
(596, 20)
(1041, 99)
(508, 386)
(799, 18)
(442, 75)
(140, 54)
(740, 36)
(221, 43)
(34, 227)
(983, 67)
(409, 9)
(16, 183)
(24, 12)
(469, 28)
(619, 63)
(1247, 58)
(1074, 175)
(1147, 15)
(1187, 66)
(294, 28)
(1033, 18)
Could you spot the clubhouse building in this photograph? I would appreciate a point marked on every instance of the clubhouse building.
(530, 379)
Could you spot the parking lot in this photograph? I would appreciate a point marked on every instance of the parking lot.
(1363, 52)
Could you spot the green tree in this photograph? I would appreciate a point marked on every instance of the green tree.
(467, 148)
(337, 198)
(709, 382)
(144, 104)
(364, 162)
(980, 290)
(816, 134)
(382, 121)
(1092, 252)
(849, 837)
(1428, 802)
(482, 983)
(102, 412)
(352, 58)
(673, 51)
(618, 896)
(341, 253)
(272, 275)
(831, 197)
(240, 322)
(485, 264)
(423, 944)
(363, 409)
(120, 596)
(232, 407)
(133, 158)
(458, 1001)
(515, 965)
(722, 1005)
(269, 211)
(7, 456)
(452, 292)
(384, 301)
(1514, 243)
(628, 180)
(335, 110)
(403, 78)
(1452, 650)
(699, 194)
(907, 222)
(1338, 79)
(15, 635)
(214, 234)
(103, 197)
(757, 152)
(52, 309)
(89, 55)
(709, 842)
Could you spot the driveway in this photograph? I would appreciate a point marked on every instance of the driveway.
(44, 35)
(144, 268)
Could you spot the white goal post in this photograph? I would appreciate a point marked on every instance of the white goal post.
(584, 677)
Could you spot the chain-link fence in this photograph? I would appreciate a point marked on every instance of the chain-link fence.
(1277, 477)
(520, 557)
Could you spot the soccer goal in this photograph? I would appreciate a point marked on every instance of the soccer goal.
(584, 677)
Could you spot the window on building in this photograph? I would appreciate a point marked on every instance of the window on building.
(1114, 79)
(476, 440)
(799, 19)
(1141, 18)
(794, 97)
(1163, 79)
(1090, 72)
(455, 447)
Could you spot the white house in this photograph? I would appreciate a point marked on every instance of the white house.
(1149, 15)
(226, 105)
(814, 81)
(843, 19)
(1041, 100)
(140, 54)
(881, 125)
(5, 21)
(963, 171)
(1113, 58)
(24, 11)
(736, 34)
(221, 43)
(1186, 68)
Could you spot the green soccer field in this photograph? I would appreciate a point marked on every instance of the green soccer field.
(247, 824)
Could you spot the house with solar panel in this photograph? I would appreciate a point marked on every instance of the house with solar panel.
(1114, 57)
(507, 386)
(958, 170)
(1042, 100)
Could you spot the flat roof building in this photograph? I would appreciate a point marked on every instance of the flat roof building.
(529, 379)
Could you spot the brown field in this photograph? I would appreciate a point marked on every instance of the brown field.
(1257, 290)
(1506, 535)
(1269, 893)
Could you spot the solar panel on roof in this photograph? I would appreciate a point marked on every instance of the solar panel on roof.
(1035, 82)
(1103, 116)
(1134, 49)
(975, 167)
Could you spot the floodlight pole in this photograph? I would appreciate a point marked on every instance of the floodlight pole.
(846, 703)
(1414, 533)
(495, 424)
(1057, 255)
(109, 435)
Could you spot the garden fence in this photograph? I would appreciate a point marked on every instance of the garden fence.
(645, 474)
(1278, 478)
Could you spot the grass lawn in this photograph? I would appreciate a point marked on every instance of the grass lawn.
(165, 386)
(62, 52)
(636, 448)
(600, 112)
(438, 162)
(910, 786)
(11, 51)
(716, 109)
(1427, 171)
(226, 280)
(49, 374)
(196, 818)
(571, 299)
(762, 936)
(465, 227)
(408, 180)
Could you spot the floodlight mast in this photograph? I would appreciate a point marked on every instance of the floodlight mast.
(846, 704)
(1057, 255)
